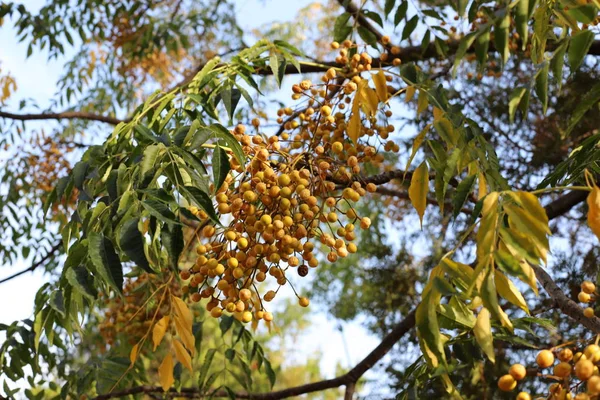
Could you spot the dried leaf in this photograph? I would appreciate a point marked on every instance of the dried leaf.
(483, 333)
(182, 355)
(133, 354)
(593, 217)
(165, 373)
(381, 86)
(158, 332)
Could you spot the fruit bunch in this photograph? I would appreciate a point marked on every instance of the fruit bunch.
(296, 192)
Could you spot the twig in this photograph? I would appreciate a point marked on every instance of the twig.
(35, 265)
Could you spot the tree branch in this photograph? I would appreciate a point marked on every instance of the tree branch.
(62, 115)
(35, 265)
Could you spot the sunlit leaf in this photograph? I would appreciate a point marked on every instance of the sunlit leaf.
(418, 189)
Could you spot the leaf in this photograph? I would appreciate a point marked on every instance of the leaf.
(231, 98)
(165, 373)
(374, 16)
(183, 323)
(528, 225)
(483, 334)
(515, 99)
(541, 86)
(200, 78)
(501, 32)
(133, 353)
(579, 47)
(81, 280)
(463, 46)
(521, 20)
(160, 211)
(427, 323)
(232, 142)
(557, 63)
(486, 235)
(159, 330)
(202, 200)
(368, 36)
(410, 26)
(593, 217)
(105, 259)
(208, 358)
(381, 86)
(482, 44)
(446, 131)
(172, 239)
(182, 355)
(416, 145)
(458, 312)
(388, 7)
(270, 372)
(589, 100)
(509, 291)
(418, 189)
(400, 12)
(463, 190)
(221, 167)
(57, 302)
(274, 65)
(341, 30)
(131, 243)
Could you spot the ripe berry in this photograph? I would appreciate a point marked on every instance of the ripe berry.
(565, 355)
(517, 371)
(584, 297)
(545, 358)
(588, 312)
(506, 383)
(303, 301)
(588, 287)
(523, 396)
(584, 369)
(562, 370)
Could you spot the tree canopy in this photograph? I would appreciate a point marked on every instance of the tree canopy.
(430, 167)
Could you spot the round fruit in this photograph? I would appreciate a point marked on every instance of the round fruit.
(565, 355)
(545, 359)
(593, 385)
(562, 370)
(584, 369)
(582, 396)
(584, 297)
(517, 371)
(588, 312)
(507, 383)
(588, 287)
(303, 301)
(590, 351)
(523, 396)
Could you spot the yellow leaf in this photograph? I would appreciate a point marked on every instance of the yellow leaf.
(486, 234)
(185, 334)
(158, 332)
(483, 334)
(371, 101)
(593, 217)
(532, 204)
(504, 319)
(165, 373)
(437, 113)
(133, 354)
(418, 189)
(482, 186)
(527, 224)
(410, 93)
(381, 86)
(182, 310)
(416, 145)
(509, 291)
(353, 127)
(182, 355)
(422, 102)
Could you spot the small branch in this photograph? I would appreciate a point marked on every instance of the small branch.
(35, 265)
(349, 391)
(62, 115)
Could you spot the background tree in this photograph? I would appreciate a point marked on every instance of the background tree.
(209, 190)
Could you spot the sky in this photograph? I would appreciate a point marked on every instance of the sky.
(36, 78)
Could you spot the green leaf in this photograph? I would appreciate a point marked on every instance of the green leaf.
(78, 173)
(557, 63)
(463, 46)
(105, 259)
(270, 372)
(146, 133)
(160, 211)
(589, 100)
(416, 145)
(501, 32)
(202, 200)
(410, 26)
(457, 312)
(81, 280)
(400, 12)
(274, 65)
(521, 20)
(445, 129)
(461, 7)
(151, 154)
(221, 167)
(131, 243)
(201, 77)
(482, 44)
(57, 302)
(584, 13)
(462, 192)
(483, 333)
(515, 99)
(541, 86)
(172, 238)
(208, 358)
(341, 29)
(231, 98)
(374, 16)
(388, 7)
(368, 36)
(223, 133)
(225, 323)
(579, 47)
(427, 323)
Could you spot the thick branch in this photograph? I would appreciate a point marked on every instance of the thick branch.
(62, 115)
(35, 265)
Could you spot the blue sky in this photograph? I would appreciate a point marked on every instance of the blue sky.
(36, 78)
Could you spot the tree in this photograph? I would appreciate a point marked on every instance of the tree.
(167, 241)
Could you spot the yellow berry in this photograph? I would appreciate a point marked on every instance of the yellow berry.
(588, 287)
(565, 355)
(326, 111)
(245, 294)
(303, 301)
(584, 297)
(517, 371)
(584, 369)
(246, 316)
(588, 312)
(506, 383)
(562, 370)
(523, 396)
(268, 316)
(216, 312)
(593, 385)
(545, 358)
